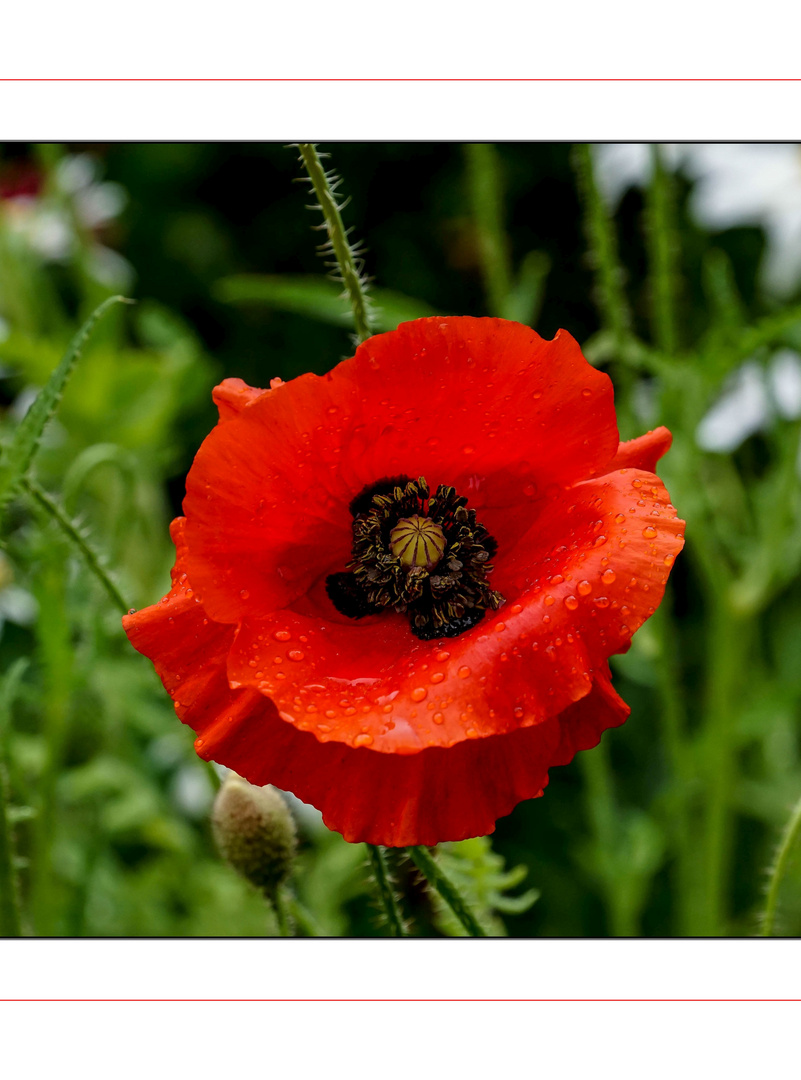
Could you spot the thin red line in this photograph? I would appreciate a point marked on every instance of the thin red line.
(425, 79)
(404, 1000)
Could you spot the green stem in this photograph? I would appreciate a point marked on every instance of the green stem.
(386, 893)
(603, 250)
(484, 181)
(728, 650)
(324, 185)
(604, 816)
(789, 837)
(278, 901)
(10, 915)
(10, 923)
(674, 719)
(433, 873)
(89, 556)
(662, 251)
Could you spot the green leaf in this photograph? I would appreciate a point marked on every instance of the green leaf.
(318, 298)
(17, 456)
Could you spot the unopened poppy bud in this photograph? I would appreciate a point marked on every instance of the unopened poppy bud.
(254, 832)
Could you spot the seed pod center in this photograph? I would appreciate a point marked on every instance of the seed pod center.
(417, 541)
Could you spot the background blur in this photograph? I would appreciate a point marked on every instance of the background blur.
(678, 269)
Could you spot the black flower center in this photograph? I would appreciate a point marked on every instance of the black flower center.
(424, 555)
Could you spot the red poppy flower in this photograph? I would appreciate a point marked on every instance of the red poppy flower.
(397, 585)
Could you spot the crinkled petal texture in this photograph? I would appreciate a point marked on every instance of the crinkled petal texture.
(400, 741)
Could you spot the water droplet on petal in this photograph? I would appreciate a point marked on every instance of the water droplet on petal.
(608, 576)
(584, 588)
(418, 693)
(363, 740)
(282, 635)
(464, 672)
(571, 603)
(649, 532)
(295, 654)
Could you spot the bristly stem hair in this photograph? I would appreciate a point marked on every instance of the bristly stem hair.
(347, 258)
(386, 892)
(437, 879)
(777, 870)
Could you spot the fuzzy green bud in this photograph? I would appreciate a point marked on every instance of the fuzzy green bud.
(254, 832)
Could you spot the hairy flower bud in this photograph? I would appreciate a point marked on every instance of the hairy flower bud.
(254, 832)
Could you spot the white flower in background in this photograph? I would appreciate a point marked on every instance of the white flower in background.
(751, 400)
(735, 184)
(784, 377)
(47, 226)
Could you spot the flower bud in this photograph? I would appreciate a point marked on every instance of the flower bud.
(254, 832)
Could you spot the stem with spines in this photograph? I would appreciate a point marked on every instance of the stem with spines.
(433, 873)
(324, 185)
(789, 837)
(386, 893)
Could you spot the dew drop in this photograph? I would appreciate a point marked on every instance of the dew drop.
(500, 627)
(600, 541)
(330, 713)
(571, 603)
(549, 601)
(437, 677)
(242, 592)
(442, 656)
(516, 609)
(296, 655)
(282, 635)
(608, 576)
(464, 672)
(602, 601)
(668, 560)
(649, 532)
(418, 693)
(586, 392)
(584, 588)
(557, 579)
(620, 518)
(438, 718)
(519, 711)
(363, 740)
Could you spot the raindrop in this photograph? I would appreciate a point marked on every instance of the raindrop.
(608, 577)
(584, 588)
(649, 532)
(295, 654)
(571, 603)
(419, 693)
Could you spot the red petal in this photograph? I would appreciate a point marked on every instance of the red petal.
(393, 799)
(481, 404)
(232, 395)
(590, 572)
(641, 453)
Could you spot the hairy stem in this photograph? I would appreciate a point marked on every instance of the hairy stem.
(434, 875)
(662, 253)
(484, 181)
(602, 242)
(10, 924)
(69, 529)
(777, 871)
(386, 893)
(346, 258)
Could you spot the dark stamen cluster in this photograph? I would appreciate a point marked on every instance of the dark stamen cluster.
(441, 600)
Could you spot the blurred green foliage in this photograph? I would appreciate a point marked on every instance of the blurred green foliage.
(668, 826)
